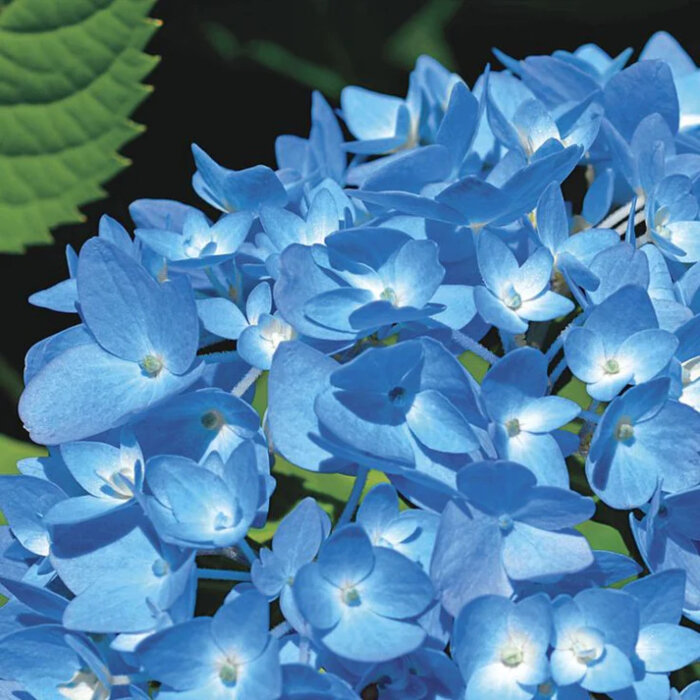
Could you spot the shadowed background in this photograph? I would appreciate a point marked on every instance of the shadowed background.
(236, 73)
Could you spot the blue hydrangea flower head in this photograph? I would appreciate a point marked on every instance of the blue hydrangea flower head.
(619, 343)
(514, 295)
(501, 646)
(362, 601)
(524, 418)
(230, 655)
(510, 530)
(620, 467)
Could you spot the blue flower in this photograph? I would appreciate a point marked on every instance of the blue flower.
(595, 634)
(199, 243)
(362, 601)
(259, 332)
(663, 645)
(501, 647)
(226, 657)
(514, 295)
(364, 280)
(152, 575)
(295, 543)
(644, 437)
(671, 214)
(236, 190)
(321, 155)
(571, 254)
(51, 662)
(411, 532)
(144, 349)
(110, 477)
(667, 538)
(511, 530)
(411, 408)
(381, 123)
(684, 71)
(513, 393)
(619, 343)
(206, 506)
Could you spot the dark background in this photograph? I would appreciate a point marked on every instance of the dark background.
(236, 73)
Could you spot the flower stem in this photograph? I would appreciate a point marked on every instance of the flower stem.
(589, 416)
(474, 346)
(247, 550)
(621, 214)
(360, 481)
(248, 379)
(557, 371)
(281, 629)
(223, 575)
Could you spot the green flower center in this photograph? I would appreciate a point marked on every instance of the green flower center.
(152, 365)
(611, 366)
(388, 294)
(228, 674)
(624, 430)
(512, 656)
(351, 597)
(513, 427)
(513, 301)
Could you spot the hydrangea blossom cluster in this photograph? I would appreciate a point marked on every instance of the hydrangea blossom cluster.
(402, 233)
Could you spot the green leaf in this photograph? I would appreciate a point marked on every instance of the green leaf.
(604, 537)
(475, 365)
(71, 76)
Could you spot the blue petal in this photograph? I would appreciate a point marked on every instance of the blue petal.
(221, 317)
(85, 391)
(530, 553)
(24, 501)
(240, 627)
(347, 556)
(466, 563)
(362, 635)
(665, 647)
(297, 374)
(182, 656)
(397, 587)
(435, 421)
(132, 315)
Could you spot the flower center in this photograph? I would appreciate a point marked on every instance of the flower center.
(624, 430)
(152, 365)
(585, 651)
(513, 301)
(228, 674)
(512, 656)
(611, 366)
(388, 294)
(546, 690)
(351, 597)
(397, 395)
(160, 567)
(212, 420)
(513, 427)
(223, 521)
(505, 522)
